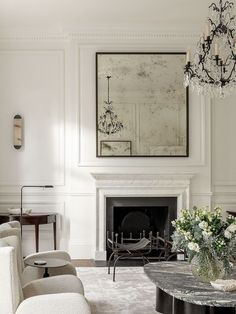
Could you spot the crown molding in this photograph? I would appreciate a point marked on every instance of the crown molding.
(94, 36)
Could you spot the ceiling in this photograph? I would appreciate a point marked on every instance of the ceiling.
(169, 15)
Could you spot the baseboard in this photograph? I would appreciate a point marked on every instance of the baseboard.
(100, 256)
(81, 251)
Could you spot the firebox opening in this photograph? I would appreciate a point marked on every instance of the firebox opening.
(135, 217)
(138, 220)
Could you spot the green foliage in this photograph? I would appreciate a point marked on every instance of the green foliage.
(200, 231)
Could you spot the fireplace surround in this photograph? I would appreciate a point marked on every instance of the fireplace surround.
(136, 185)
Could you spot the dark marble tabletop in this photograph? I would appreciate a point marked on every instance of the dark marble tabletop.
(176, 279)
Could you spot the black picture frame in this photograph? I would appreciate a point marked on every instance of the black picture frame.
(184, 151)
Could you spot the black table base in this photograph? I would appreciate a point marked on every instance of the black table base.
(46, 273)
(166, 304)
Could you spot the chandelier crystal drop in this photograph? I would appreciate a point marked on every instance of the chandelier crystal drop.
(108, 122)
(212, 70)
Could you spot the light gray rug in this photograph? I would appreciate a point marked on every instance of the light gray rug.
(132, 293)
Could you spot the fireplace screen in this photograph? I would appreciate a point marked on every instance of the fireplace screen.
(133, 218)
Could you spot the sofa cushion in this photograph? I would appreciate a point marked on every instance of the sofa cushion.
(15, 243)
(3, 243)
(4, 226)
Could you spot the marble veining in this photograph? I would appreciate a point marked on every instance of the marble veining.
(176, 279)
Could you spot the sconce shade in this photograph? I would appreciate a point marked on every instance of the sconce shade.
(18, 131)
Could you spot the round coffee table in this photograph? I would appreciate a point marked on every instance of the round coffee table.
(50, 263)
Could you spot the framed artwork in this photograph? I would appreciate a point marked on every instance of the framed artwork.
(116, 148)
(141, 105)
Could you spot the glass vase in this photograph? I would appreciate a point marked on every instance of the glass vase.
(206, 267)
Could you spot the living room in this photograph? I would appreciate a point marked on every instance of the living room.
(62, 67)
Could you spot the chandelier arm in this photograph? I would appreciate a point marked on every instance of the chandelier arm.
(212, 23)
(227, 5)
(210, 72)
(204, 69)
(214, 7)
(231, 72)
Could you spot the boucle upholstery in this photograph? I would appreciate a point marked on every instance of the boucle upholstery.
(58, 284)
(10, 290)
(63, 303)
(32, 273)
(15, 243)
(11, 297)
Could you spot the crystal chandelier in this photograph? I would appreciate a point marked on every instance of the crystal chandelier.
(108, 122)
(212, 70)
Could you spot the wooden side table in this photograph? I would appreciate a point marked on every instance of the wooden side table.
(35, 219)
(231, 213)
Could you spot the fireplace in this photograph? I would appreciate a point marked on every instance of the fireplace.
(135, 186)
(135, 217)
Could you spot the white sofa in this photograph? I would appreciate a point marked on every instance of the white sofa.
(35, 297)
(32, 273)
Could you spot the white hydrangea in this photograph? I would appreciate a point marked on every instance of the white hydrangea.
(206, 234)
(227, 234)
(187, 235)
(231, 228)
(203, 225)
(193, 247)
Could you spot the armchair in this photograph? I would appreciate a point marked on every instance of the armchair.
(32, 273)
(15, 300)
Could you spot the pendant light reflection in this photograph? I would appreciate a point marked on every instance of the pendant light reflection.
(108, 122)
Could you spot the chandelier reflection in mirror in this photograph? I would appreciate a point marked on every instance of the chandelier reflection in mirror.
(212, 70)
(108, 121)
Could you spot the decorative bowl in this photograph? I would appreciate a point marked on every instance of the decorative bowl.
(224, 285)
(16, 211)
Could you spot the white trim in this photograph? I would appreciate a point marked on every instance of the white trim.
(98, 35)
(133, 185)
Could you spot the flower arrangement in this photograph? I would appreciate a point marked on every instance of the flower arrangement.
(204, 234)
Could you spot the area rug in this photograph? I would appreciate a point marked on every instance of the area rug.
(132, 293)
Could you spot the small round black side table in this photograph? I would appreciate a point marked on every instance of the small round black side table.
(50, 263)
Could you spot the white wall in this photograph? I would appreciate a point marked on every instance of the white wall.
(224, 153)
(50, 81)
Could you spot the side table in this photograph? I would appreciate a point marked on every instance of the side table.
(50, 263)
(231, 213)
(35, 219)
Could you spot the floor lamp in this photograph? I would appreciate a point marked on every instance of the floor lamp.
(21, 198)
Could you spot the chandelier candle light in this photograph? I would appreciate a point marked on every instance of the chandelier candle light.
(212, 69)
(108, 122)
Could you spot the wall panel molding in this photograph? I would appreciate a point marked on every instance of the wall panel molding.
(199, 160)
(59, 179)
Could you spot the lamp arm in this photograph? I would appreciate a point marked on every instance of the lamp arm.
(21, 198)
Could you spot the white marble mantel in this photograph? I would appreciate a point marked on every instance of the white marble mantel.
(136, 185)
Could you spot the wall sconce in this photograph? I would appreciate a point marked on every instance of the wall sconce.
(18, 131)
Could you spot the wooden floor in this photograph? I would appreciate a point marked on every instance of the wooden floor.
(93, 263)
(83, 262)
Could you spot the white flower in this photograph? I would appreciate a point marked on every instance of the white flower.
(231, 228)
(228, 234)
(206, 234)
(187, 235)
(203, 225)
(193, 246)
